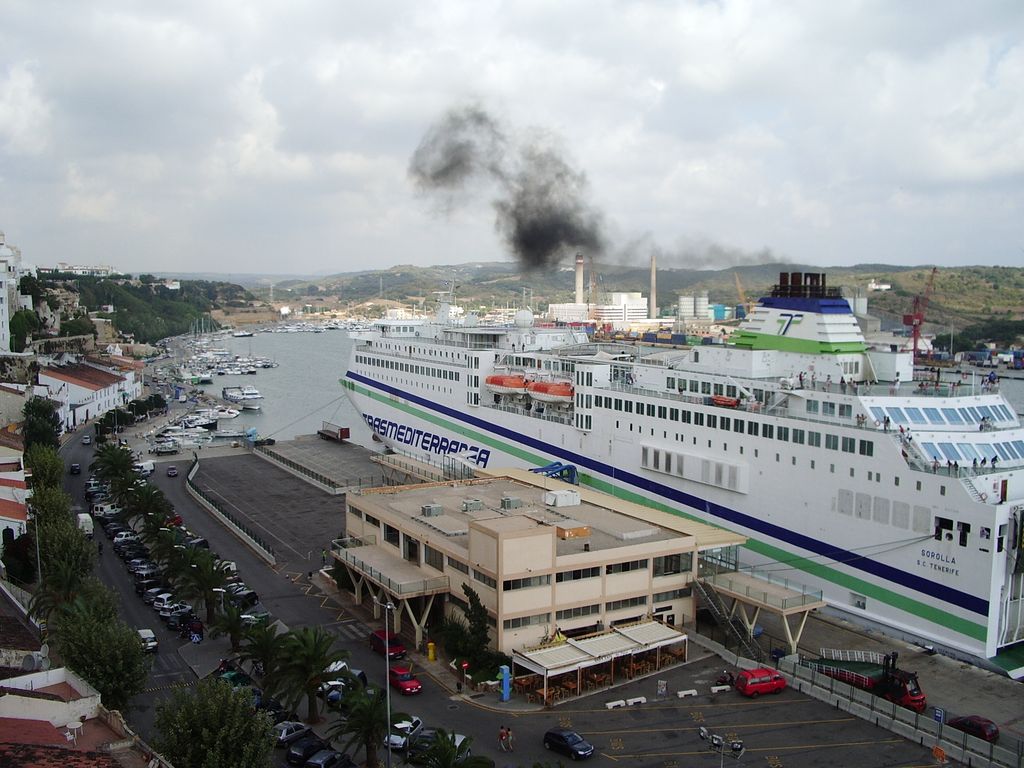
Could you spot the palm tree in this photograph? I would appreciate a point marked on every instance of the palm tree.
(112, 461)
(61, 585)
(445, 753)
(198, 576)
(148, 500)
(264, 646)
(230, 623)
(306, 655)
(367, 723)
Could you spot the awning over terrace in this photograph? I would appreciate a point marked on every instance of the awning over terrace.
(619, 646)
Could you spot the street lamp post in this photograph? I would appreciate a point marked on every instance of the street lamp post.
(716, 743)
(388, 607)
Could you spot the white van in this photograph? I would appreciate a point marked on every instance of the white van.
(145, 468)
(105, 510)
(85, 524)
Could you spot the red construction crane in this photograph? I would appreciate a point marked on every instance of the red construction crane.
(916, 318)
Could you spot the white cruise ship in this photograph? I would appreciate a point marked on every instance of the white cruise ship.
(900, 498)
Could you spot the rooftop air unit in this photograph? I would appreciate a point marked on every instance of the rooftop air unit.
(511, 502)
(431, 510)
(472, 505)
(566, 498)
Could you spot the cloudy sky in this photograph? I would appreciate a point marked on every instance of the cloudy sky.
(276, 136)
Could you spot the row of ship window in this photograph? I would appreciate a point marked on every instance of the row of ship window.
(971, 452)
(784, 434)
(419, 370)
(968, 415)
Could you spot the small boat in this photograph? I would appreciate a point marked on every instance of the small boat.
(250, 405)
(242, 334)
(550, 391)
(507, 384)
(725, 402)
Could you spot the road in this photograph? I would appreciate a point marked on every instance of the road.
(785, 731)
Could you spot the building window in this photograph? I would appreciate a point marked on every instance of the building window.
(457, 565)
(531, 581)
(433, 557)
(629, 602)
(632, 565)
(672, 594)
(832, 442)
(575, 613)
(372, 521)
(671, 564)
(391, 535)
(527, 621)
(483, 578)
(579, 573)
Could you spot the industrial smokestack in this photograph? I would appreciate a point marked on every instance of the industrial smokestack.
(579, 278)
(652, 307)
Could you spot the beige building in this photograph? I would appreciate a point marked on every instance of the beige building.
(542, 555)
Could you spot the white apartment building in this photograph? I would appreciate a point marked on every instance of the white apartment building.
(11, 299)
(542, 555)
(622, 307)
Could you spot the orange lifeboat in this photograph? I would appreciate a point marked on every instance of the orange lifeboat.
(506, 384)
(725, 402)
(550, 391)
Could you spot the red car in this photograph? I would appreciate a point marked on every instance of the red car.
(403, 680)
(383, 641)
(975, 725)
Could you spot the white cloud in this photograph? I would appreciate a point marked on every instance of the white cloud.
(821, 130)
(24, 113)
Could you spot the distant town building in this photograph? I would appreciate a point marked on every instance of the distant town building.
(873, 286)
(11, 300)
(82, 270)
(569, 313)
(622, 307)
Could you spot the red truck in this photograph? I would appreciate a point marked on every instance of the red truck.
(873, 672)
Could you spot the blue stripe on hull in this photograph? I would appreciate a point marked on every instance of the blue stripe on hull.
(845, 557)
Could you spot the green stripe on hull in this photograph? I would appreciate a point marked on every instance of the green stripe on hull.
(764, 341)
(908, 605)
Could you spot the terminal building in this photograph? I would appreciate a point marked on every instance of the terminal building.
(545, 557)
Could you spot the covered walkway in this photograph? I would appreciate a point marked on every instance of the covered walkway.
(572, 667)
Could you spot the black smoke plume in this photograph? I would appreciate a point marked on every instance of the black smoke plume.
(541, 204)
(694, 253)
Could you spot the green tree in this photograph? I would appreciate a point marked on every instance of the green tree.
(79, 326)
(213, 727)
(229, 622)
(479, 637)
(104, 651)
(198, 576)
(307, 653)
(42, 424)
(23, 324)
(111, 462)
(264, 646)
(367, 723)
(445, 753)
(47, 466)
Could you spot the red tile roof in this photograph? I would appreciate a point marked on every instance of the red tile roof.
(83, 376)
(52, 756)
(14, 510)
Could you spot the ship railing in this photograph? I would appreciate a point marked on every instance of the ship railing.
(351, 542)
(851, 654)
(549, 414)
(804, 595)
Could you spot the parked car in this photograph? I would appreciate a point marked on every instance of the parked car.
(149, 570)
(568, 742)
(75, 469)
(754, 682)
(384, 642)
(329, 758)
(148, 640)
(172, 471)
(147, 585)
(244, 599)
(975, 725)
(303, 749)
(153, 592)
(401, 678)
(288, 731)
(87, 440)
(125, 536)
(181, 617)
(170, 608)
(423, 740)
(402, 732)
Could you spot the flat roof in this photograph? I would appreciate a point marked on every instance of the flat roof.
(597, 521)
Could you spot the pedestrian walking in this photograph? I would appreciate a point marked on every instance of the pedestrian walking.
(503, 739)
(508, 732)
(323, 558)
